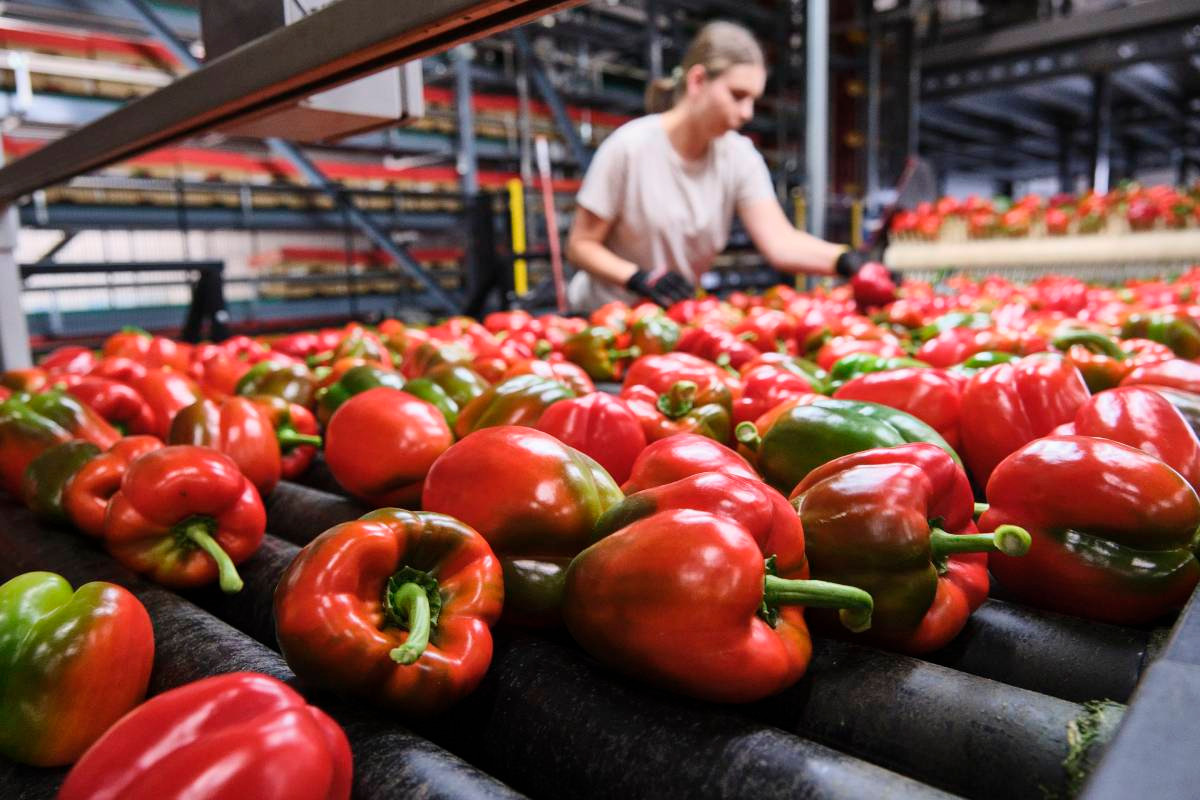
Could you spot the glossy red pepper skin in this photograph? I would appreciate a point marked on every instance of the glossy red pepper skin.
(381, 443)
(868, 520)
(1123, 556)
(535, 518)
(660, 372)
(119, 403)
(765, 387)
(1143, 419)
(69, 361)
(933, 396)
(517, 401)
(333, 620)
(167, 393)
(1175, 373)
(717, 345)
(768, 330)
(562, 371)
(1009, 405)
(29, 424)
(600, 426)
(839, 347)
(167, 491)
(239, 429)
(85, 498)
(237, 735)
(151, 351)
(675, 458)
(74, 663)
(873, 286)
(674, 599)
(33, 379)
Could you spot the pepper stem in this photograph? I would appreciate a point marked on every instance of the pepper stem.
(1092, 340)
(628, 352)
(413, 601)
(290, 437)
(198, 534)
(679, 399)
(855, 605)
(980, 509)
(747, 434)
(1008, 539)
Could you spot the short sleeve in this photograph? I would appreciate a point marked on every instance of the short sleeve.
(752, 179)
(604, 184)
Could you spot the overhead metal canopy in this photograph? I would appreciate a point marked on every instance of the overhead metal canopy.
(343, 41)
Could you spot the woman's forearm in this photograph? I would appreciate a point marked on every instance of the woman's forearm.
(593, 257)
(798, 251)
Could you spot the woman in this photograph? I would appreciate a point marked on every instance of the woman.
(657, 202)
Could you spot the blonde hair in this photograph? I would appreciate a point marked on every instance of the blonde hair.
(717, 47)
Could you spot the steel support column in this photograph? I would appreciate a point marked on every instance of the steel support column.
(14, 333)
(541, 80)
(1102, 125)
(653, 41)
(1066, 182)
(874, 87)
(816, 108)
(289, 152)
(468, 164)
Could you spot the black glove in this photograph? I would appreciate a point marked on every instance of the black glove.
(849, 263)
(666, 290)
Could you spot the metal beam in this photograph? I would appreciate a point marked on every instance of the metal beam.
(48, 256)
(351, 212)
(816, 112)
(468, 162)
(14, 332)
(325, 49)
(551, 97)
(1101, 132)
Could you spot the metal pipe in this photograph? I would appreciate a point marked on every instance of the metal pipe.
(1102, 124)
(552, 99)
(468, 163)
(14, 330)
(816, 108)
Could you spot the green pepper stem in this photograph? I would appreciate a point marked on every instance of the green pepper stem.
(197, 533)
(1092, 340)
(679, 399)
(1008, 539)
(628, 352)
(293, 438)
(980, 509)
(855, 605)
(747, 434)
(413, 599)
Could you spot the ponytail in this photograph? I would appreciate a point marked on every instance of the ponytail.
(717, 47)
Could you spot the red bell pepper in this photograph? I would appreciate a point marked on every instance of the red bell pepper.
(716, 344)
(33, 379)
(29, 424)
(768, 330)
(873, 286)
(566, 372)
(1142, 418)
(765, 387)
(839, 347)
(660, 373)
(292, 382)
(69, 360)
(381, 443)
(1009, 405)
(74, 663)
(241, 734)
(164, 390)
(217, 371)
(694, 602)
(600, 426)
(120, 404)
(535, 500)
(896, 522)
(185, 516)
(677, 457)
(85, 498)
(595, 350)
(296, 432)
(1123, 556)
(48, 476)
(239, 429)
(1104, 362)
(933, 396)
(146, 349)
(1176, 373)
(676, 411)
(394, 608)
(517, 401)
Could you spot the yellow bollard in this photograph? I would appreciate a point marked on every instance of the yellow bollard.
(516, 210)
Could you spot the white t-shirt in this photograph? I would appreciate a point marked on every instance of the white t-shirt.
(668, 212)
